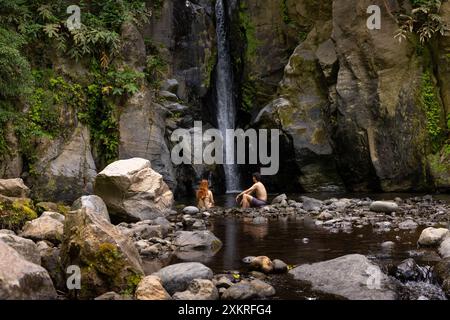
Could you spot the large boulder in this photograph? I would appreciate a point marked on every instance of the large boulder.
(133, 191)
(27, 248)
(94, 203)
(150, 288)
(177, 277)
(14, 188)
(46, 227)
(352, 277)
(109, 261)
(433, 236)
(21, 279)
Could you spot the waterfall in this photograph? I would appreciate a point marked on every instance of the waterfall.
(226, 110)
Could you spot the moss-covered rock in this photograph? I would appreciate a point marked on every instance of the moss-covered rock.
(15, 212)
(108, 260)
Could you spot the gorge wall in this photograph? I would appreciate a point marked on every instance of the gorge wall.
(349, 100)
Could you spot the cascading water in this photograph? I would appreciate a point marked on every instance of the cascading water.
(226, 111)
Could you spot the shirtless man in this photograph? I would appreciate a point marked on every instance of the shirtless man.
(260, 194)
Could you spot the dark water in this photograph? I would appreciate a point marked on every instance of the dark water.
(284, 238)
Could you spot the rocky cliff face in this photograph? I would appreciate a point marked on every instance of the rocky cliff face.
(347, 99)
(350, 101)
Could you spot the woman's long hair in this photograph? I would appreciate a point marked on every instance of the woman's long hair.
(202, 192)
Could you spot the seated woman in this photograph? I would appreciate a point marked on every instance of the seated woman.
(205, 197)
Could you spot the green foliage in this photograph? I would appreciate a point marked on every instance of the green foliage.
(285, 12)
(433, 111)
(33, 27)
(248, 96)
(132, 282)
(15, 76)
(155, 69)
(248, 29)
(100, 111)
(14, 214)
(424, 20)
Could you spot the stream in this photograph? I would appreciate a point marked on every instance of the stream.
(297, 240)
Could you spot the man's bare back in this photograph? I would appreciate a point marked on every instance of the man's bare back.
(260, 191)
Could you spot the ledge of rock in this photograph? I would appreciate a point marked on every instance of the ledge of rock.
(348, 277)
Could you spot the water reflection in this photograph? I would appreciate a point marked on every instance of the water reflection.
(231, 250)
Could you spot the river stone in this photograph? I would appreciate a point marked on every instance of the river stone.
(197, 240)
(108, 259)
(133, 191)
(433, 236)
(27, 248)
(177, 277)
(348, 277)
(444, 249)
(199, 289)
(14, 188)
(248, 260)
(21, 279)
(165, 225)
(263, 289)
(383, 206)
(223, 281)
(240, 291)
(408, 225)
(191, 210)
(44, 228)
(279, 199)
(144, 231)
(262, 263)
(324, 216)
(388, 244)
(310, 204)
(260, 220)
(279, 266)
(150, 288)
(408, 270)
(93, 202)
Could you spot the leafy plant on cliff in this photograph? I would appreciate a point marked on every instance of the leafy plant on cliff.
(249, 31)
(34, 28)
(432, 107)
(424, 20)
